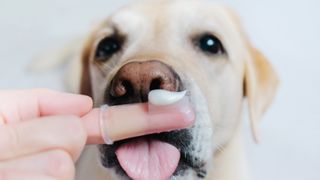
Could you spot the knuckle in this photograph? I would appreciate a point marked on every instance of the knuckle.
(61, 165)
(78, 134)
(10, 140)
(76, 126)
(15, 136)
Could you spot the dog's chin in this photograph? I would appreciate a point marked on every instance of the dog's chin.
(182, 140)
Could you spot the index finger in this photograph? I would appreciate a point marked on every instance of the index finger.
(127, 121)
(19, 105)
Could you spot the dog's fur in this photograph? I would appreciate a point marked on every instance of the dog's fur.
(164, 30)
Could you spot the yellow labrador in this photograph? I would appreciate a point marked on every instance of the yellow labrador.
(179, 45)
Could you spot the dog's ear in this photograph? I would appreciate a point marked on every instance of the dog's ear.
(260, 85)
(85, 85)
(260, 79)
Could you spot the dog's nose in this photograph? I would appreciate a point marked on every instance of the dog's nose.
(135, 80)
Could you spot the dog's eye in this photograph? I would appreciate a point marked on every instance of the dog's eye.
(210, 44)
(106, 48)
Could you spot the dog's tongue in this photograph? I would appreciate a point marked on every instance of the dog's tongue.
(148, 159)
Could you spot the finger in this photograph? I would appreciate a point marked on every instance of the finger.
(54, 163)
(128, 121)
(21, 105)
(9, 174)
(64, 132)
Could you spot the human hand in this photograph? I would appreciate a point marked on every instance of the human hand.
(43, 132)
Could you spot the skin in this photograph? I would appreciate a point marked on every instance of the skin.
(43, 132)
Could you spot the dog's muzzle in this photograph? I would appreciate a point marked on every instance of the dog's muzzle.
(131, 84)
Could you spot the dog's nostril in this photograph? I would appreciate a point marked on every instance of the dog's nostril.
(122, 88)
(155, 84)
(128, 87)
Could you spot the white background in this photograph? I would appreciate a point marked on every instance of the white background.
(287, 31)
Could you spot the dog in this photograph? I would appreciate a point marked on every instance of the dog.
(192, 45)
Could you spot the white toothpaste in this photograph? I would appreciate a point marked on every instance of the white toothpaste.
(160, 97)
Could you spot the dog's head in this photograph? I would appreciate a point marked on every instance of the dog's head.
(179, 45)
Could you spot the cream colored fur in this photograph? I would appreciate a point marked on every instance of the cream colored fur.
(162, 30)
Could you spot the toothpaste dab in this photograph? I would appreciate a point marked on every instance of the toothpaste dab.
(162, 97)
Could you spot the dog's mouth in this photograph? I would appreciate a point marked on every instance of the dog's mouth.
(155, 156)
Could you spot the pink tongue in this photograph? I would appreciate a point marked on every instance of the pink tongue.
(148, 159)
